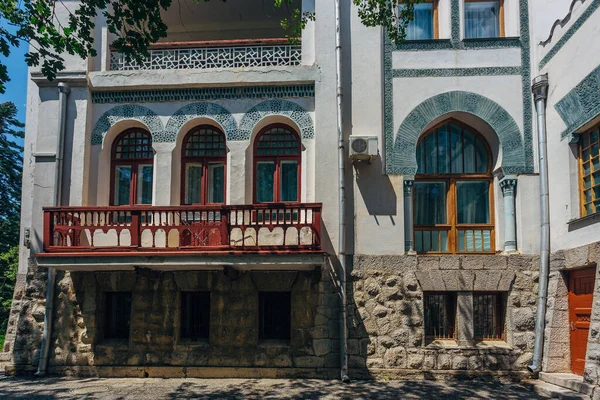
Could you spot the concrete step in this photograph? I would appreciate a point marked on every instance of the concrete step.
(555, 392)
(568, 381)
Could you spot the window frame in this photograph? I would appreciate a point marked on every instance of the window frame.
(204, 160)
(501, 308)
(582, 175)
(450, 304)
(501, 23)
(277, 159)
(452, 226)
(134, 163)
(436, 20)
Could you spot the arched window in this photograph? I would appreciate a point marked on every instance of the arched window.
(453, 191)
(277, 155)
(131, 167)
(203, 166)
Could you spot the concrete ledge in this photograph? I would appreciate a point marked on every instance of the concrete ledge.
(415, 374)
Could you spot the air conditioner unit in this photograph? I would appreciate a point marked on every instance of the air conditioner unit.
(363, 147)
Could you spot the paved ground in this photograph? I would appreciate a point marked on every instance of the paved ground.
(153, 388)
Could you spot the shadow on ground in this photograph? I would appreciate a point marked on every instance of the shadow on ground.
(150, 389)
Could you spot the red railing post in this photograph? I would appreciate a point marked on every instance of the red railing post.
(317, 225)
(135, 229)
(225, 228)
(48, 228)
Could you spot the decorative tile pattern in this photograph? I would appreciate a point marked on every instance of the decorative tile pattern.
(127, 112)
(217, 113)
(403, 160)
(421, 45)
(212, 57)
(581, 104)
(526, 86)
(275, 107)
(442, 72)
(570, 32)
(205, 94)
(455, 22)
(492, 43)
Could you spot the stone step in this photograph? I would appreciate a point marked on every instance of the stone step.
(555, 392)
(569, 381)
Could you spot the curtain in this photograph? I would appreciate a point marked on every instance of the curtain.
(421, 28)
(481, 19)
(265, 172)
(430, 203)
(144, 194)
(473, 202)
(193, 179)
(216, 182)
(122, 185)
(289, 181)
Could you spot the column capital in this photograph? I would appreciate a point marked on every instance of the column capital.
(508, 184)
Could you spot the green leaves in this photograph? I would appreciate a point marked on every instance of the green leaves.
(387, 14)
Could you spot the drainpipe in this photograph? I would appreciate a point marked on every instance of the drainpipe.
(342, 197)
(63, 93)
(540, 93)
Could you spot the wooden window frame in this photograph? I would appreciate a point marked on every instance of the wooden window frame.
(204, 160)
(452, 226)
(277, 159)
(134, 163)
(436, 18)
(500, 312)
(262, 300)
(501, 23)
(450, 308)
(582, 175)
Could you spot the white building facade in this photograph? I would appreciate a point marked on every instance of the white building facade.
(199, 193)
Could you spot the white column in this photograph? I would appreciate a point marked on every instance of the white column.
(408, 217)
(162, 185)
(509, 186)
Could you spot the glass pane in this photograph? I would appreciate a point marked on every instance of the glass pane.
(469, 240)
(594, 136)
(587, 182)
(122, 185)
(443, 150)
(421, 28)
(419, 241)
(473, 202)
(482, 19)
(216, 182)
(585, 140)
(430, 203)
(289, 181)
(587, 194)
(144, 184)
(427, 241)
(481, 155)
(435, 241)
(461, 240)
(596, 163)
(444, 241)
(469, 153)
(193, 181)
(487, 241)
(431, 154)
(457, 154)
(586, 168)
(420, 159)
(265, 174)
(478, 241)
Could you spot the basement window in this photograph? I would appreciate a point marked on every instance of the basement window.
(195, 315)
(440, 315)
(274, 315)
(488, 316)
(117, 315)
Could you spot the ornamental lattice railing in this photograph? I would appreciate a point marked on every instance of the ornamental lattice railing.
(214, 54)
(242, 228)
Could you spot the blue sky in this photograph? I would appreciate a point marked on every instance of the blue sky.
(16, 89)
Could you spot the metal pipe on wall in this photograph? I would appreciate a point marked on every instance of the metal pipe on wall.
(540, 93)
(63, 93)
(342, 197)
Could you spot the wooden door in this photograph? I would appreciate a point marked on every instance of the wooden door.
(581, 289)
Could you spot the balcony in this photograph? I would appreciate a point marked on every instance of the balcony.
(214, 54)
(262, 236)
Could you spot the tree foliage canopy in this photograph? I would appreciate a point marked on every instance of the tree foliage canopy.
(137, 24)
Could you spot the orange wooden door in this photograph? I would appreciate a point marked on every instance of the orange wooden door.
(581, 290)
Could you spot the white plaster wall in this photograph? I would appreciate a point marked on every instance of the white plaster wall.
(509, 57)
(577, 58)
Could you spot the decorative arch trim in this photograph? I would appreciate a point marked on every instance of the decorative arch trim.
(404, 161)
(276, 107)
(127, 112)
(212, 111)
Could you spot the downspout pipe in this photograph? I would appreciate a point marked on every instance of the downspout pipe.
(63, 93)
(540, 94)
(341, 197)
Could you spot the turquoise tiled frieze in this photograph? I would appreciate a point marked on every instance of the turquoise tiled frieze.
(127, 112)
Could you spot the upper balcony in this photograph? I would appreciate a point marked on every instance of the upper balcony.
(183, 237)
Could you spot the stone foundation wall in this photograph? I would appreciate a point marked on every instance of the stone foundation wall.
(386, 316)
(557, 351)
(154, 345)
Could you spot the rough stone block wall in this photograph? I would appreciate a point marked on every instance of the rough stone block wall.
(557, 352)
(154, 347)
(386, 316)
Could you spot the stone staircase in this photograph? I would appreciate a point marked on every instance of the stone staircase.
(562, 386)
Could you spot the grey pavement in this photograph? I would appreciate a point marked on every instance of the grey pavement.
(154, 388)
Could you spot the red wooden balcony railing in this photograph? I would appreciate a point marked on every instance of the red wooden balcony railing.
(239, 228)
